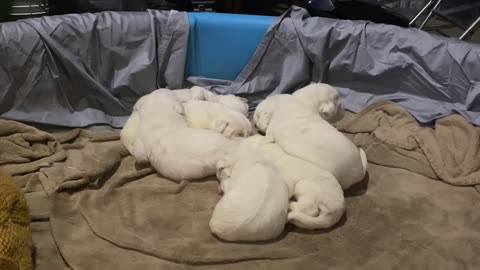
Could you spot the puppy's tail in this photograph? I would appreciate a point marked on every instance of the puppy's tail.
(323, 221)
(363, 157)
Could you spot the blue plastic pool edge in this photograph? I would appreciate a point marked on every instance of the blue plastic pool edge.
(220, 45)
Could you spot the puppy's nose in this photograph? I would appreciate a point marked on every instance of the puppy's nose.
(220, 190)
(260, 132)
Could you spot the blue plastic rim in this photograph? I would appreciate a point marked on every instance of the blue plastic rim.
(220, 45)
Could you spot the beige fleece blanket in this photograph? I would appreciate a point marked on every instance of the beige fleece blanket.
(92, 207)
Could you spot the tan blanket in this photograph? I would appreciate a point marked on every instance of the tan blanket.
(110, 213)
(392, 137)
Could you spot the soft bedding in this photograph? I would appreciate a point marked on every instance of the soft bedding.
(92, 207)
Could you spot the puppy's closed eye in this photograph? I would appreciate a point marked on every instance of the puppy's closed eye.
(238, 133)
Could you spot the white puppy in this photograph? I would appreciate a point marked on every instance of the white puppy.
(264, 111)
(217, 117)
(198, 93)
(319, 202)
(319, 197)
(254, 206)
(128, 135)
(175, 150)
(322, 98)
(306, 135)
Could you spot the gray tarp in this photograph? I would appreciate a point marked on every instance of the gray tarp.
(87, 69)
(430, 76)
(84, 69)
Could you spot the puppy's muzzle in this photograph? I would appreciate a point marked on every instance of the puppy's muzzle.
(258, 130)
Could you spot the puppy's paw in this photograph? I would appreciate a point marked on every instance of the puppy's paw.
(220, 190)
(224, 169)
(269, 138)
(292, 206)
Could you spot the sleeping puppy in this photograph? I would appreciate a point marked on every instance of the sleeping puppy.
(310, 138)
(198, 93)
(322, 98)
(128, 135)
(254, 206)
(173, 149)
(319, 204)
(264, 111)
(319, 197)
(217, 117)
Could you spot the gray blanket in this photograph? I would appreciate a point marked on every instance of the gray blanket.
(93, 207)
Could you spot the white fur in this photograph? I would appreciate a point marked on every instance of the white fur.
(129, 132)
(264, 111)
(198, 93)
(320, 202)
(217, 117)
(321, 98)
(306, 135)
(194, 93)
(254, 206)
(234, 102)
(175, 150)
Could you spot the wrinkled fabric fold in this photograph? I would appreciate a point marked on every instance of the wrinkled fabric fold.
(428, 75)
(114, 213)
(83, 69)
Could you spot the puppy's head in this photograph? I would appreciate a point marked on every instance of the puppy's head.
(264, 112)
(232, 123)
(237, 103)
(323, 99)
(232, 129)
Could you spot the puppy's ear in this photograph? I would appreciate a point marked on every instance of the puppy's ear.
(238, 133)
(220, 125)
